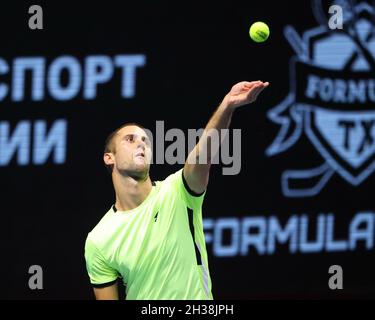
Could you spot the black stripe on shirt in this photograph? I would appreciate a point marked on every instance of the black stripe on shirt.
(188, 189)
(104, 285)
(191, 224)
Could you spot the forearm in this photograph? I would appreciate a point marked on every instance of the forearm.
(209, 142)
(221, 119)
(198, 163)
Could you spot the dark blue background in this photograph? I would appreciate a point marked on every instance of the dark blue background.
(195, 53)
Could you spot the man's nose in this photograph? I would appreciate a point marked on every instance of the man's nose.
(141, 143)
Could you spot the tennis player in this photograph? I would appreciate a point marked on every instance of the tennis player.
(152, 237)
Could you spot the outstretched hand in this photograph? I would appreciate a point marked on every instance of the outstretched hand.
(244, 93)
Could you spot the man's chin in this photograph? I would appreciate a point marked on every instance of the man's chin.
(142, 167)
(139, 172)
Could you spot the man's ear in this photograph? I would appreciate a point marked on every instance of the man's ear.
(109, 159)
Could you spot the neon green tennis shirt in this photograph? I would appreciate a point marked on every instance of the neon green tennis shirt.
(158, 248)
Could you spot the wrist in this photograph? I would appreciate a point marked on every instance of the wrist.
(226, 105)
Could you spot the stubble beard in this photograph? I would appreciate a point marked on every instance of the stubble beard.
(136, 174)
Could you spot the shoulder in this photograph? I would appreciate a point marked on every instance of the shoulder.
(171, 182)
(175, 185)
(100, 232)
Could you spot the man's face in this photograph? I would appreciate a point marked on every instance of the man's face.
(132, 152)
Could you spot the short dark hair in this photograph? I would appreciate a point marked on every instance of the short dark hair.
(108, 146)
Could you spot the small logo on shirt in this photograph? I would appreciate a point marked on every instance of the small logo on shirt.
(156, 216)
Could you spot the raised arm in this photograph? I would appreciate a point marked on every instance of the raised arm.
(196, 173)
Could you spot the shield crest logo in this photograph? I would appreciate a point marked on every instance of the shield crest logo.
(332, 101)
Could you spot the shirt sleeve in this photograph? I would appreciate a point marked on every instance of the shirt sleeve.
(100, 273)
(178, 183)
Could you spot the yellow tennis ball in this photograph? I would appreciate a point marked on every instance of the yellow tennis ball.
(259, 31)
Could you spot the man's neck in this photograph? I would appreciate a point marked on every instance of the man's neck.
(130, 193)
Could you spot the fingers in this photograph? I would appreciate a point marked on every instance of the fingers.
(254, 84)
(246, 86)
(255, 92)
(246, 83)
(249, 85)
(256, 89)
